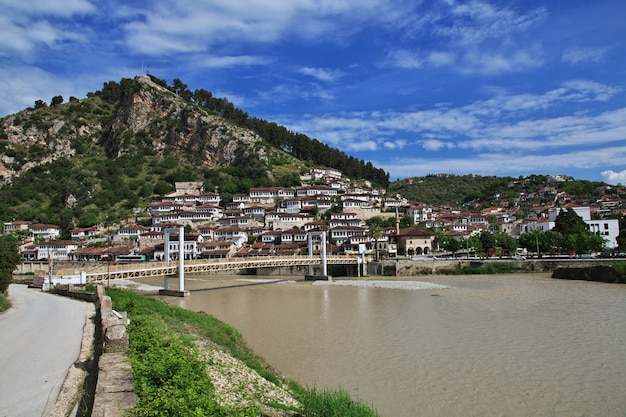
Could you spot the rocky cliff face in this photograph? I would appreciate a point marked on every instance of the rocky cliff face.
(169, 124)
(34, 137)
(150, 120)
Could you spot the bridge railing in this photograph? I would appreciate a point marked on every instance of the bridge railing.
(199, 265)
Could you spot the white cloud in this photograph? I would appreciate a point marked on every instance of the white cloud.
(614, 178)
(394, 145)
(403, 58)
(476, 37)
(505, 123)
(435, 145)
(475, 22)
(584, 55)
(440, 59)
(199, 27)
(573, 91)
(322, 74)
(367, 145)
(230, 61)
(486, 62)
(39, 8)
(26, 24)
(585, 90)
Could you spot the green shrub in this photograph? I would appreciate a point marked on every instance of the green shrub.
(620, 267)
(4, 301)
(333, 403)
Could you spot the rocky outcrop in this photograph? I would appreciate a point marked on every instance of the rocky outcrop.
(148, 119)
(172, 124)
(599, 273)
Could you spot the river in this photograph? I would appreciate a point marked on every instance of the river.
(495, 345)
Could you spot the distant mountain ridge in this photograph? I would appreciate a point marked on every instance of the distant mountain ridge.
(475, 191)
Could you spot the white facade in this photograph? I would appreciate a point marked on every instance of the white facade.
(56, 249)
(607, 228)
(45, 231)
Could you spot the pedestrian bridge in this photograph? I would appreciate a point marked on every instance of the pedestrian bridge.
(150, 269)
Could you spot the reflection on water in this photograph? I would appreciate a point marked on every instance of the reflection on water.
(488, 346)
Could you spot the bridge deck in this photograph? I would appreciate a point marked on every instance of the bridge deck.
(150, 269)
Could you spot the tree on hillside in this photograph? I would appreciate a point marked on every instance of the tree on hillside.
(181, 89)
(576, 234)
(56, 100)
(40, 104)
(9, 258)
(450, 244)
(568, 222)
(487, 240)
(506, 241)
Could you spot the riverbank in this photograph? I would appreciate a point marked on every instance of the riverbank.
(184, 361)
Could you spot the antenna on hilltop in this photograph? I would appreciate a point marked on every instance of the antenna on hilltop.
(147, 69)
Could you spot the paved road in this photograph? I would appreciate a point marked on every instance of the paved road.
(40, 339)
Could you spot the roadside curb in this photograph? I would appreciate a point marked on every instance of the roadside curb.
(68, 400)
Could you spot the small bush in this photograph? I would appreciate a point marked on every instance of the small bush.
(620, 267)
(4, 302)
(338, 403)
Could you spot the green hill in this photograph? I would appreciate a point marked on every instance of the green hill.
(483, 191)
(98, 159)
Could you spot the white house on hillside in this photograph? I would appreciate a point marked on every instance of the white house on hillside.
(56, 249)
(45, 231)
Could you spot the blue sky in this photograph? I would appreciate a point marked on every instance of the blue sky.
(487, 87)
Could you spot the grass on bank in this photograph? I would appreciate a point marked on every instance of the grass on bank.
(171, 377)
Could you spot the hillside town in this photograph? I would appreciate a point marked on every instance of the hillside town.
(276, 221)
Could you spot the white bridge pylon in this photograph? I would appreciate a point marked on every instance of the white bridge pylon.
(181, 261)
(324, 263)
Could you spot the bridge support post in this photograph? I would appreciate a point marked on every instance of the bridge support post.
(181, 264)
(324, 276)
(166, 247)
(310, 239)
(324, 261)
(364, 265)
(181, 259)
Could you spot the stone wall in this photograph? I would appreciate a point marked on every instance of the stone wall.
(115, 394)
